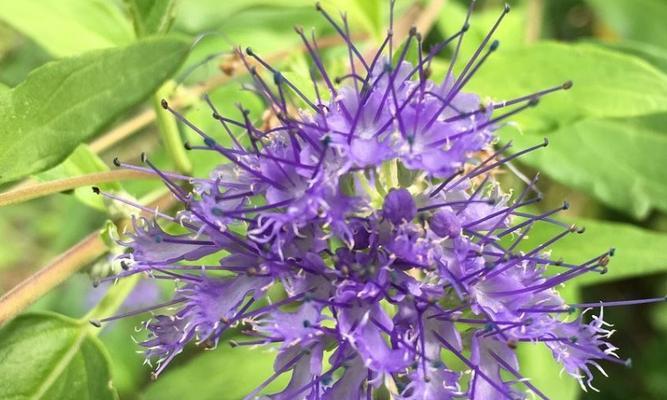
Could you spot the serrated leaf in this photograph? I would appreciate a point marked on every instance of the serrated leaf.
(151, 17)
(606, 83)
(238, 372)
(65, 102)
(616, 162)
(68, 27)
(638, 252)
(49, 356)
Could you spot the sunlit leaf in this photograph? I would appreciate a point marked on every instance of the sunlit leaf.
(638, 252)
(618, 163)
(64, 102)
(67, 27)
(606, 83)
(49, 356)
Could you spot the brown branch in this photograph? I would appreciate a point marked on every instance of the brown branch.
(38, 284)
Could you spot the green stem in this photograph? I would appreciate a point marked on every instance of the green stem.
(171, 137)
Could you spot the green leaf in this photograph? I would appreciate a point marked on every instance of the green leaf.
(606, 83)
(638, 252)
(237, 372)
(655, 55)
(49, 356)
(67, 101)
(617, 162)
(641, 20)
(67, 27)
(151, 17)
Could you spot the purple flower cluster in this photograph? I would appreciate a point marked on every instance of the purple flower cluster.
(364, 238)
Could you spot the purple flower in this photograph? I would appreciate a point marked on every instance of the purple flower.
(375, 216)
(399, 206)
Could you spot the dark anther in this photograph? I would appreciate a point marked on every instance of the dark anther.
(164, 104)
(278, 78)
(612, 251)
(318, 6)
(512, 344)
(298, 29)
(96, 190)
(248, 51)
(209, 142)
(567, 85)
(465, 27)
(494, 45)
(533, 102)
(566, 205)
(337, 80)
(124, 265)
(507, 8)
(546, 142)
(413, 31)
(233, 343)
(95, 323)
(143, 157)
(116, 161)
(187, 146)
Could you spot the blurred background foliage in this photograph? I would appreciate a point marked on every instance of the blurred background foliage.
(607, 155)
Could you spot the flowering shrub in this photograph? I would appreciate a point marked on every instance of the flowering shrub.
(374, 211)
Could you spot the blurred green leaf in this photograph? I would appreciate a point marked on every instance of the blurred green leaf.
(606, 83)
(151, 16)
(653, 54)
(82, 161)
(4, 88)
(67, 27)
(20, 57)
(641, 20)
(618, 163)
(639, 252)
(236, 371)
(64, 102)
(49, 356)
